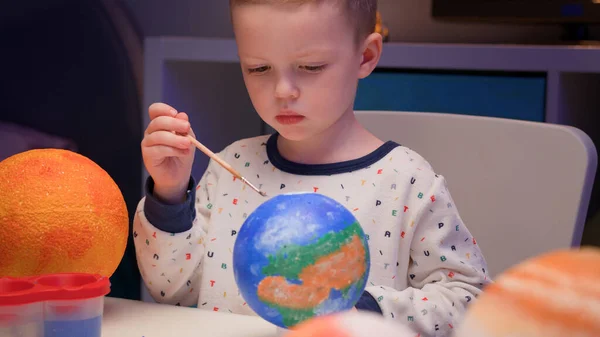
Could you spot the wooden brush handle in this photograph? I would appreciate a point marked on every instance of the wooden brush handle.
(213, 156)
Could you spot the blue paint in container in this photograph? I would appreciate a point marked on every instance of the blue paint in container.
(90, 327)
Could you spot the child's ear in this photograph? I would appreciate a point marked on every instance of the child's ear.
(371, 52)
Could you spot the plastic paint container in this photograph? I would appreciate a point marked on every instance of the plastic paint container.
(65, 305)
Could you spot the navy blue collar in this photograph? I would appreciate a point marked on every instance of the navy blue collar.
(325, 169)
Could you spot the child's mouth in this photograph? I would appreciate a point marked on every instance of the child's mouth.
(289, 119)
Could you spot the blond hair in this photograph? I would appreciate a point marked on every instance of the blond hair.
(362, 14)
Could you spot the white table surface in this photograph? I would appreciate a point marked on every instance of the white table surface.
(127, 318)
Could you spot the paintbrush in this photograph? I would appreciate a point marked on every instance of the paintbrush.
(226, 166)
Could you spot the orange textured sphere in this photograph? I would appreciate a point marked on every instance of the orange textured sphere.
(552, 295)
(59, 212)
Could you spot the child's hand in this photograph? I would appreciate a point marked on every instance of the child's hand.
(167, 152)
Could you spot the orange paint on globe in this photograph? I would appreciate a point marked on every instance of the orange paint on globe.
(59, 212)
(317, 279)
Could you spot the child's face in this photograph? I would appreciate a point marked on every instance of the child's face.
(301, 65)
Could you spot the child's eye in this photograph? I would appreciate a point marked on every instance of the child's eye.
(313, 69)
(258, 70)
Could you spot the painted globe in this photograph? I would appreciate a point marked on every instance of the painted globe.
(59, 212)
(299, 256)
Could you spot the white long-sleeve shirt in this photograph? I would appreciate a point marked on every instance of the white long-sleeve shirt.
(425, 265)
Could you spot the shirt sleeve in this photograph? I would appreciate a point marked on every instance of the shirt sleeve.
(446, 272)
(169, 240)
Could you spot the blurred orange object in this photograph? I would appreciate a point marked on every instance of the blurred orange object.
(552, 295)
(351, 324)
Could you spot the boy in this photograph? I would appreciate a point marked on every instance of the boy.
(301, 61)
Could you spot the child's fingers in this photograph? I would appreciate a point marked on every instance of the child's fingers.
(166, 138)
(162, 151)
(164, 123)
(183, 116)
(160, 109)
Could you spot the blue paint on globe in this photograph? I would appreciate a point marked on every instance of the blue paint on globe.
(298, 256)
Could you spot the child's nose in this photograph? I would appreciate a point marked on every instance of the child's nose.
(286, 88)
